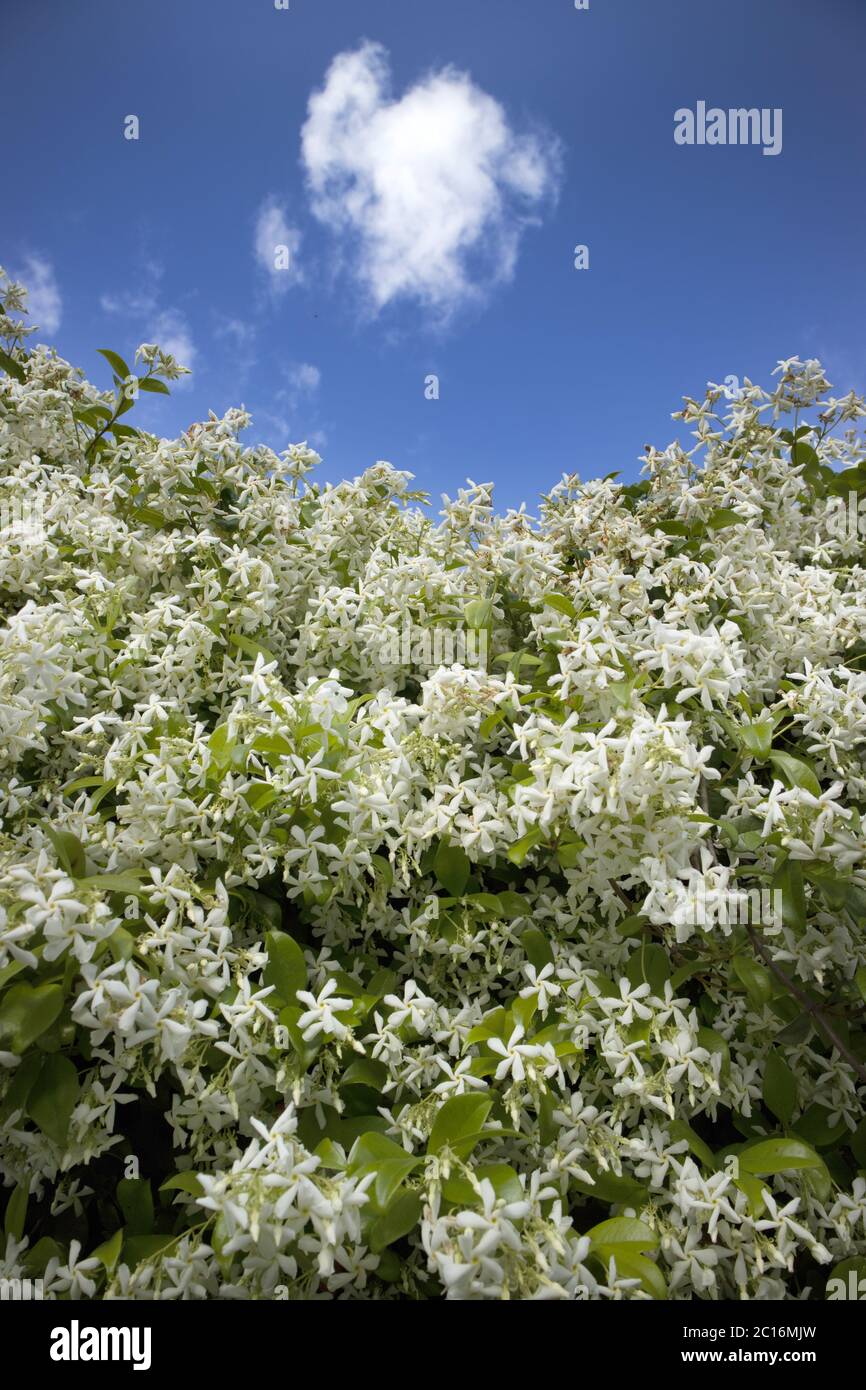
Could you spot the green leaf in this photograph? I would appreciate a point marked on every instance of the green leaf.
(9, 971)
(608, 1187)
(389, 1266)
(679, 1129)
(632, 1265)
(561, 603)
(478, 612)
(814, 1126)
(250, 647)
(136, 1249)
(26, 1012)
(514, 905)
(11, 367)
(715, 1043)
(69, 851)
(490, 723)
(755, 1191)
(519, 850)
(501, 1176)
(128, 883)
(401, 1216)
(779, 1156)
(136, 1202)
(649, 964)
(330, 1156)
(366, 1071)
(149, 516)
(37, 1257)
(452, 868)
(789, 880)
(16, 1211)
(803, 454)
(376, 1153)
(460, 1119)
(495, 1024)
(624, 1230)
(754, 738)
(286, 969)
(488, 903)
(569, 853)
(115, 362)
(108, 1253)
(795, 772)
(780, 1087)
(183, 1182)
(724, 516)
(22, 1083)
(54, 1097)
(260, 795)
(757, 980)
(80, 782)
(686, 972)
(152, 383)
(537, 947)
(632, 925)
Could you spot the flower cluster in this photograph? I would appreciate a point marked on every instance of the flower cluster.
(328, 975)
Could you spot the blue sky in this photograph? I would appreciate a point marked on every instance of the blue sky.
(431, 200)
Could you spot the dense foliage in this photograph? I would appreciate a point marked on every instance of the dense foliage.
(328, 969)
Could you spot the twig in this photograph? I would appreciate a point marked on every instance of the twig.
(622, 897)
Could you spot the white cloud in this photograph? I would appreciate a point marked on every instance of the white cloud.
(238, 331)
(171, 332)
(294, 408)
(303, 376)
(435, 185)
(302, 381)
(44, 302)
(277, 245)
(165, 326)
(129, 305)
(141, 300)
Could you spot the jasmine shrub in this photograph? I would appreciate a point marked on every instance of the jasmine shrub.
(328, 973)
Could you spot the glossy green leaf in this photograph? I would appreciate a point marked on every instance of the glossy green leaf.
(452, 868)
(459, 1119)
(26, 1012)
(286, 969)
(54, 1097)
(780, 1087)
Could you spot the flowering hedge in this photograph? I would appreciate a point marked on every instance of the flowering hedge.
(327, 970)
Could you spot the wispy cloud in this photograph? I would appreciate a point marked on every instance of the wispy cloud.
(140, 301)
(153, 321)
(237, 331)
(277, 245)
(44, 301)
(292, 410)
(435, 186)
(303, 377)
